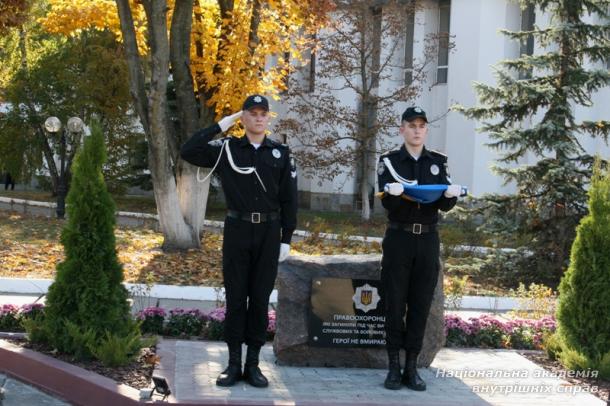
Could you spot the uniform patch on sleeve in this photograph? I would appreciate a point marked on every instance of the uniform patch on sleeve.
(293, 168)
(447, 173)
(380, 168)
(215, 143)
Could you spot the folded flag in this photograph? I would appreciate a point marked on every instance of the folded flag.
(425, 193)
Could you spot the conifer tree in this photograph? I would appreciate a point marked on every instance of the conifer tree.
(87, 301)
(531, 110)
(583, 312)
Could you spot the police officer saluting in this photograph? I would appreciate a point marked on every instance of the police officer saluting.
(410, 261)
(259, 181)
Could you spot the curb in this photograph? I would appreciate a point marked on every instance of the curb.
(24, 286)
(205, 293)
(69, 382)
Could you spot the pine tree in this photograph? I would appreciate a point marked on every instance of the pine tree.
(583, 312)
(87, 301)
(545, 89)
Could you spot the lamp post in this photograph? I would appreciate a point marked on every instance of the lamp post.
(53, 126)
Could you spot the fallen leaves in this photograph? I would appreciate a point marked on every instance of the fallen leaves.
(31, 249)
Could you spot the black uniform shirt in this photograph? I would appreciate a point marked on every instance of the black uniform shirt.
(429, 169)
(244, 193)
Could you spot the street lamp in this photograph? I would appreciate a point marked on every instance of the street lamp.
(53, 126)
(75, 125)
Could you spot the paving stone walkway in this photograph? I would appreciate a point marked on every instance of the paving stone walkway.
(456, 377)
(15, 393)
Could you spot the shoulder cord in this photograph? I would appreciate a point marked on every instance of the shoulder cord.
(244, 171)
(395, 174)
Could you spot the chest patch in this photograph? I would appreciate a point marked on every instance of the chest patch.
(276, 153)
(434, 169)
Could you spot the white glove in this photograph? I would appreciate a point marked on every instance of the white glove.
(284, 250)
(453, 191)
(227, 122)
(395, 189)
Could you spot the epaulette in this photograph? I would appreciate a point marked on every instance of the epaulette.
(390, 152)
(434, 152)
(277, 143)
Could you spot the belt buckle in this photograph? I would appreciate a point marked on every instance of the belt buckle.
(255, 218)
(416, 229)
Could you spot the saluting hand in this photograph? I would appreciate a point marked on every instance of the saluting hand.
(227, 122)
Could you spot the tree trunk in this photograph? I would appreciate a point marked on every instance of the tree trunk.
(370, 107)
(364, 187)
(193, 195)
(23, 48)
(178, 234)
(153, 114)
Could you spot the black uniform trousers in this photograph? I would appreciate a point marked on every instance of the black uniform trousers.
(250, 254)
(409, 274)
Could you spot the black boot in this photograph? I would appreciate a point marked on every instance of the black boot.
(232, 374)
(410, 377)
(252, 373)
(392, 381)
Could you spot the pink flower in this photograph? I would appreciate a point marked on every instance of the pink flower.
(151, 312)
(8, 309)
(31, 307)
(217, 314)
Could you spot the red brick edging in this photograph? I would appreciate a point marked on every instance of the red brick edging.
(71, 383)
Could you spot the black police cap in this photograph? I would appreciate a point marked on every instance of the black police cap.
(412, 113)
(256, 100)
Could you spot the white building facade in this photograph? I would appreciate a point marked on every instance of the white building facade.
(477, 45)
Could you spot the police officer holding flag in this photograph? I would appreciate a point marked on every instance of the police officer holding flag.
(258, 177)
(410, 261)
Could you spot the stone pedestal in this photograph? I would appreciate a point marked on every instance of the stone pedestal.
(294, 288)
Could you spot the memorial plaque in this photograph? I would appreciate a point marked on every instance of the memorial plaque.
(346, 313)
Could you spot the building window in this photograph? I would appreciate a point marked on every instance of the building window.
(312, 72)
(409, 32)
(444, 7)
(308, 69)
(528, 18)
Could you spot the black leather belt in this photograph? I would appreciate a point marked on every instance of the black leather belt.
(412, 228)
(253, 217)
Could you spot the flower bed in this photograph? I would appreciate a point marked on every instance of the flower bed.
(12, 316)
(190, 322)
(486, 331)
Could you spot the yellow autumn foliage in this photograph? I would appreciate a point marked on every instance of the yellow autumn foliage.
(224, 69)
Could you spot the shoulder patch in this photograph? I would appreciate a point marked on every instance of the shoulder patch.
(434, 152)
(217, 142)
(293, 167)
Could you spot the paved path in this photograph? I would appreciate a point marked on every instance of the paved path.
(192, 366)
(15, 393)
